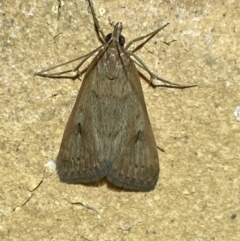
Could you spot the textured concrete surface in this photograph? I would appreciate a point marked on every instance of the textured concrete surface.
(198, 193)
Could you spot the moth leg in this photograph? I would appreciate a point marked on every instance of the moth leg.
(155, 80)
(145, 36)
(96, 23)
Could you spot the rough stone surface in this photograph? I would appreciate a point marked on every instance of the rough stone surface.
(198, 193)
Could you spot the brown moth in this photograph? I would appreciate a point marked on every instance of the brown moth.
(108, 133)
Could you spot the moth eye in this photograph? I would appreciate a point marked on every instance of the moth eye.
(108, 37)
(121, 39)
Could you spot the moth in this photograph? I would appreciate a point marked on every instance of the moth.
(108, 133)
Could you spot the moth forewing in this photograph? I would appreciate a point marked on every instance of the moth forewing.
(136, 164)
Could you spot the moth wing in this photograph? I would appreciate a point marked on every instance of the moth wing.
(78, 160)
(135, 165)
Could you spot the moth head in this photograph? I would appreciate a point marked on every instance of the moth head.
(116, 35)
